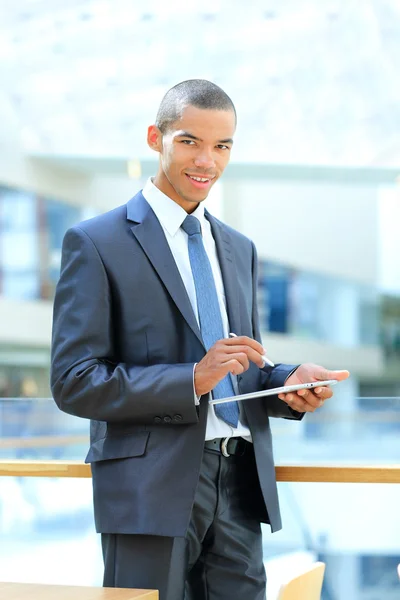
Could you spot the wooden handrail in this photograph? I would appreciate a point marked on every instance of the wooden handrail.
(306, 473)
(36, 591)
(43, 441)
(338, 473)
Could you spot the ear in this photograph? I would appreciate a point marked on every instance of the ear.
(154, 138)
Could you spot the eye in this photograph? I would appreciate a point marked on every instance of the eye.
(223, 147)
(188, 142)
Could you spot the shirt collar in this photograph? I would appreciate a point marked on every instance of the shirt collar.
(168, 212)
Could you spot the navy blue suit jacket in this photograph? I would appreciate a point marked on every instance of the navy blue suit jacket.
(125, 340)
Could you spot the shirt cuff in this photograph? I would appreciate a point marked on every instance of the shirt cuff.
(196, 397)
(291, 373)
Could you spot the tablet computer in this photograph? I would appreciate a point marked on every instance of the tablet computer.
(273, 391)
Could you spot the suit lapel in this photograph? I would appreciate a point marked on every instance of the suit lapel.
(226, 257)
(148, 232)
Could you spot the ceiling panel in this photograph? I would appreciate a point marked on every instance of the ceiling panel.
(314, 82)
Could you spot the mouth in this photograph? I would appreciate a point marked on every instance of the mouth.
(201, 183)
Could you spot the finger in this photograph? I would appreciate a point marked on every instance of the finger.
(304, 406)
(310, 398)
(252, 354)
(232, 366)
(296, 402)
(324, 392)
(324, 375)
(240, 357)
(244, 340)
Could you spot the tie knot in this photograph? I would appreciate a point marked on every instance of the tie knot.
(191, 225)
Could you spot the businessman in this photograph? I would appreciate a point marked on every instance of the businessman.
(147, 297)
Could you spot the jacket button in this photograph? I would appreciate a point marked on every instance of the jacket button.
(178, 418)
(157, 419)
(167, 419)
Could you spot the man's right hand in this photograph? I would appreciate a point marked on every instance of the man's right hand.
(231, 355)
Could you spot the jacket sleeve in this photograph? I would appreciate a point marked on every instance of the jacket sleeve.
(271, 377)
(86, 379)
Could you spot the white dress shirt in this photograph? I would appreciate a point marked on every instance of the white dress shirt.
(171, 217)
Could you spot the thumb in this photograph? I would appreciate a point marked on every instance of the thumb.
(338, 375)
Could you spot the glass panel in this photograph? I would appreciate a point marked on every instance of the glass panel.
(315, 306)
(57, 218)
(31, 233)
(38, 430)
(19, 259)
(391, 328)
(363, 431)
(24, 374)
(353, 528)
(47, 532)
(369, 433)
(46, 527)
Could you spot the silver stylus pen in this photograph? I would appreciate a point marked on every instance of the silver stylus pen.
(265, 358)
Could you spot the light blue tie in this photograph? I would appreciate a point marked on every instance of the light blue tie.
(209, 313)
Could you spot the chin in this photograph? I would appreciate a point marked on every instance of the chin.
(193, 198)
(199, 199)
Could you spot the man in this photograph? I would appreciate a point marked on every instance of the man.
(148, 295)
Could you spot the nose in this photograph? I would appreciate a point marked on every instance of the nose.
(204, 159)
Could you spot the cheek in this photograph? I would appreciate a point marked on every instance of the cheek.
(183, 159)
(167, 160)
(171, 158)
(178, 161)
(223, 161)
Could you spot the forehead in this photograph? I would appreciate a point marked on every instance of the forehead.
(206, 123)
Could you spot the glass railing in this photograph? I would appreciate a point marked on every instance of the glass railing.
(36, 429)
(352, 528)
(47, 530)
(47, 535)
(368, 433)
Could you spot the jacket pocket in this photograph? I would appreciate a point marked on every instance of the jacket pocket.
(122, 446)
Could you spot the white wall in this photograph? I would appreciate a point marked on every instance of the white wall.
(109, 191)
(323, 227)
(359, 360)
(25, 323)
(389, 232)
(17, 170)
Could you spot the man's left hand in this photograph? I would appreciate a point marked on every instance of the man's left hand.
(309, 400)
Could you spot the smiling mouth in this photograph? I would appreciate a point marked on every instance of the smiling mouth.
(200, 179)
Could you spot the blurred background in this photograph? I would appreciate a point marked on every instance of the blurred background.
(314, 180)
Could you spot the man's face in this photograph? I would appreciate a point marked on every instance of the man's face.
(197, 146)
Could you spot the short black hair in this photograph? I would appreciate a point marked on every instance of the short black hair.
(193, 92)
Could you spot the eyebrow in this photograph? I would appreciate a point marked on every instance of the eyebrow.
(186, 134)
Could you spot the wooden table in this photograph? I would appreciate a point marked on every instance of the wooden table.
(35, 591)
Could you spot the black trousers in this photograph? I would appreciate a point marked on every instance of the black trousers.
(221, 556)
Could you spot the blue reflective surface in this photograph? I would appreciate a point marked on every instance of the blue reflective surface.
(316, 306)
(32, 228)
